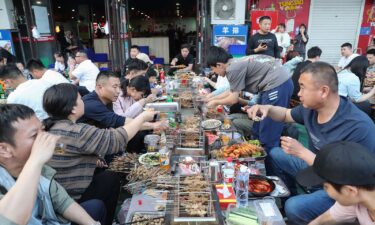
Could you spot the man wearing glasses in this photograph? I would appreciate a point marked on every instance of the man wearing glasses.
(86, 72)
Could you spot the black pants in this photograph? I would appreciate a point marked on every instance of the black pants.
(105, 186)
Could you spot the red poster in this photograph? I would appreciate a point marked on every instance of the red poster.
(256, 14)
(368, 21)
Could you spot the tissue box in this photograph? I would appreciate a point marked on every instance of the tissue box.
(224, 202)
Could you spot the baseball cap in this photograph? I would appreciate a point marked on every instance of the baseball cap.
(144, 58)
(343, 163)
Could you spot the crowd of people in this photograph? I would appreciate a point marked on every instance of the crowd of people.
(96, 115)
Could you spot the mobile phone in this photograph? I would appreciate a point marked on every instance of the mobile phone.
(263, 44)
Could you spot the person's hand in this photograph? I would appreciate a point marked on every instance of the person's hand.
(258, 111)
(245, 108)
(291, 146)
(302, 30)
(150, 98)
(154, 91)
(160, 125)
(43, 147)
(206, 79)
(148, 115)
(211, 104)
(101, 164)
(173, 63)
(261, 47)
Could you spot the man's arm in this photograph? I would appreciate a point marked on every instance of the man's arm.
(230, 99)
(324, 219)
(77, 214)
(276, 113)
(17, 204)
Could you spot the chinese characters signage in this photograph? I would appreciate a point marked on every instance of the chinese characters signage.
(225, 35)
(291, 5)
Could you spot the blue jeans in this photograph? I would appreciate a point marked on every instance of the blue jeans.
(304, 208)
(96, 209)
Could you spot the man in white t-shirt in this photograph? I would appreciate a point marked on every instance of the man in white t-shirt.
(347, 55)
(347, 171)
(26, 92)
(38, 71)
(86, 72)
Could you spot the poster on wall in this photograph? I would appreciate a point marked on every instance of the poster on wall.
(225, 35)
(255, 16)
(6, 41)
(41, 19)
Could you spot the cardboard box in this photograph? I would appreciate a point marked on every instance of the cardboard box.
(224, 202)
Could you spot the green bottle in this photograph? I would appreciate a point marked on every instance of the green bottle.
(2, 93)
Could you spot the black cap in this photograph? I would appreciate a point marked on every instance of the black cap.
(343, 163)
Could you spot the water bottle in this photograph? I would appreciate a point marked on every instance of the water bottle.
(228, 171)
(242, 187)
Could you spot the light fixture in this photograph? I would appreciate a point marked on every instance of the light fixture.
(141, 13)
(72, 17)
(57, 29)
(94, 14)
(103, 17)
(39, 2)
(73, 10)
(59, 7)
(177, 3)
(132, 8)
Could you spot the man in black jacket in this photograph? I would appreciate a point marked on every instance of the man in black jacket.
(264, 42)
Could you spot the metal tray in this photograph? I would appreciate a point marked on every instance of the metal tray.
(164, 106)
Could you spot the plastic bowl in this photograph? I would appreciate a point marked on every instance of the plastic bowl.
(258, 179)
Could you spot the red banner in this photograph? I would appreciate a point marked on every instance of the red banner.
(41, 39)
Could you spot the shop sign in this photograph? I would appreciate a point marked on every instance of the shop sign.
(6, 41)
(291, 5)
(225, 35)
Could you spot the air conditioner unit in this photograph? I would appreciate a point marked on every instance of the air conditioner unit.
(228, 11)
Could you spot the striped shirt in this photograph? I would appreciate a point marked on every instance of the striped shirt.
(83, 143)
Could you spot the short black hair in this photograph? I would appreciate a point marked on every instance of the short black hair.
(82, 53)
(34, 64)
(338, 187)
(185, 46)
(136, 47)
(136, 64)
(347, 44)
(314, 52)
(140, 83)
(59, 100)
(105, 75)
(59, 54)
(217, 55)
(151, 73)
(10, 114)
(371, 51)
(10, 71)
(323, 73)
(264, 18)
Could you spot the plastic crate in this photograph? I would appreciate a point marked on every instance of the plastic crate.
(238, 50)
(101, 57)
(144, 49)
(159, 61)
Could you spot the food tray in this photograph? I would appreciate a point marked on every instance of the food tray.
(158, 215)
(164, 106)
(182, 198)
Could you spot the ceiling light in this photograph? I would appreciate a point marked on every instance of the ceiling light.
(103, 17)
(94, 14)
(73, 10)
(59, 7)
(132, 8)
(72, 17)
(142, 13)
(38, 2)
(177, 3)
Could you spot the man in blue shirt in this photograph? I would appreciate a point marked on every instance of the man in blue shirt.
(99, 112)
(327, 118)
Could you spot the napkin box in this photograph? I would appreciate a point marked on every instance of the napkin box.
(224, 202)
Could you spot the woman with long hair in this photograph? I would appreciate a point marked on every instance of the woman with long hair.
(135, 94)
(351, 82)
(83, 145)
(300, 40)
